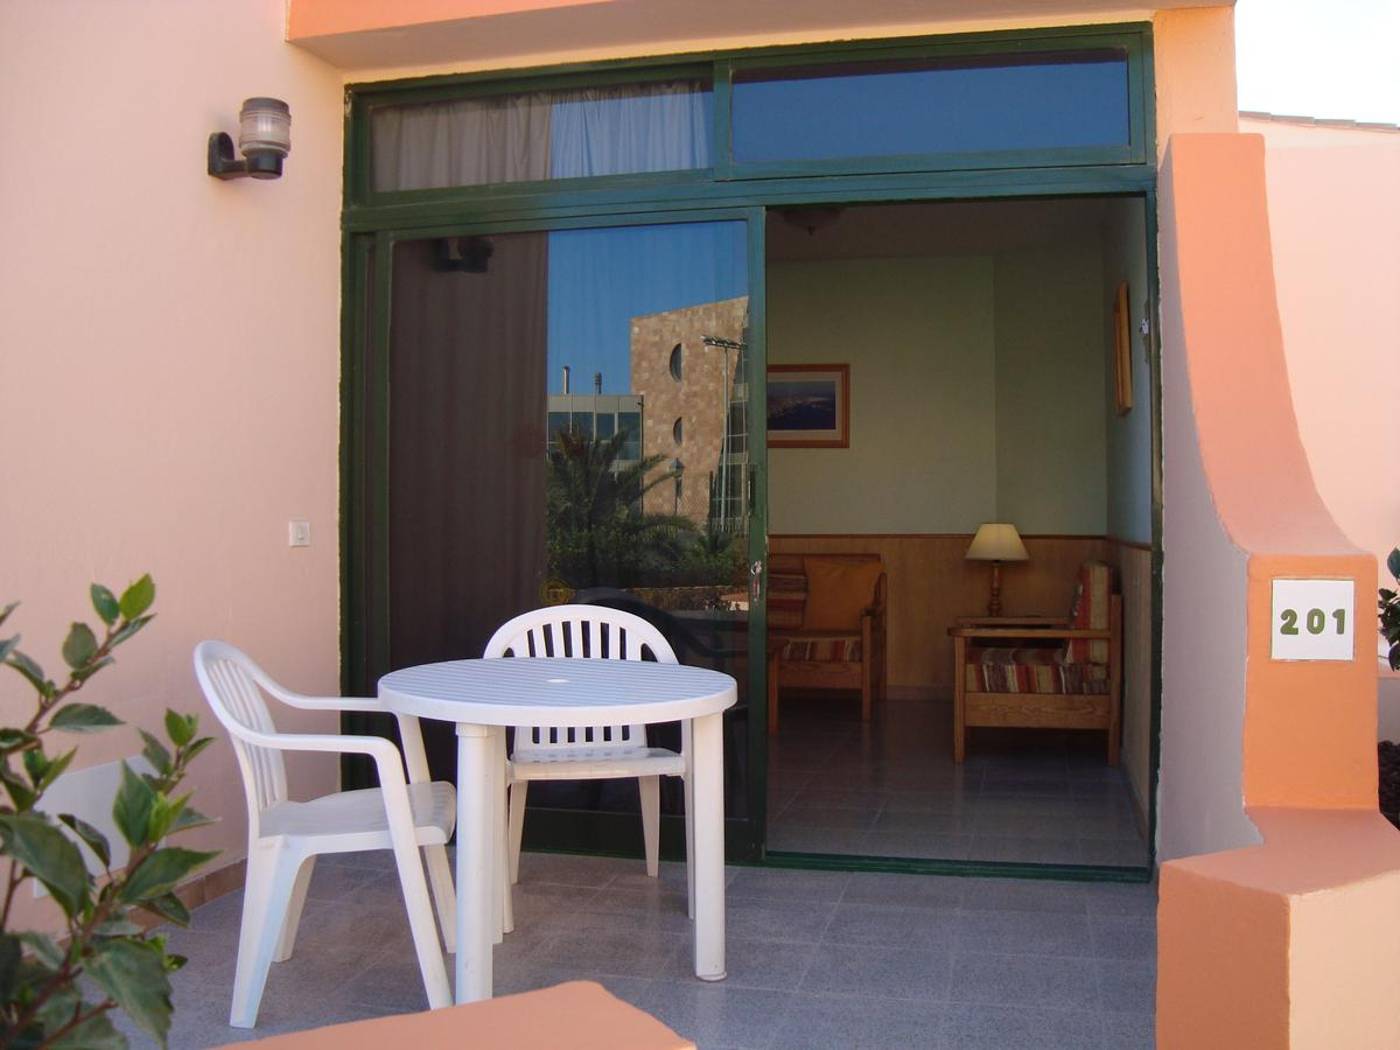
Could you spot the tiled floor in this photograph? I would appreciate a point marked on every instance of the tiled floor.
(816, 959)
(891, 789)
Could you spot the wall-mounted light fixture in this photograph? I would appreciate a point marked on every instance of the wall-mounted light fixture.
(264, 138)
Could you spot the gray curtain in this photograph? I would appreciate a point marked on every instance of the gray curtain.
(541, 135)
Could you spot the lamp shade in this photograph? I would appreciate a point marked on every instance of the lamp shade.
(997, 541)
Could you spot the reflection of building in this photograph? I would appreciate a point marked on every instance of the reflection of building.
(696, 409)
(600, 416)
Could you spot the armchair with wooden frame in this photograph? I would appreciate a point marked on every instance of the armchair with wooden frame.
(1043, 672)
(826, 617)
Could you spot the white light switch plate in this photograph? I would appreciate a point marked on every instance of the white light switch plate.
(299, 534)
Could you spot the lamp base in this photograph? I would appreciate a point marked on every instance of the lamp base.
(994, 605)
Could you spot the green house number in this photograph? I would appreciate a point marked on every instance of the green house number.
(1315, 621)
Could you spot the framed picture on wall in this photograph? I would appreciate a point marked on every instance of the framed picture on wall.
(1122, 352)
(809, 406)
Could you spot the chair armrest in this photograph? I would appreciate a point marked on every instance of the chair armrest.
(1051, 633)
(1012, 621)
(386, 756)
(331, 703)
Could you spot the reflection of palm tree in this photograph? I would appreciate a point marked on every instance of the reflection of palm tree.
(598, 533)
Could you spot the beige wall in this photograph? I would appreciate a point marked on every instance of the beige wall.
(919, 337)
(171, 347)
(1050, 463)
(975, 392)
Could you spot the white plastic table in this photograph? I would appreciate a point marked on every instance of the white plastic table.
(484, 696)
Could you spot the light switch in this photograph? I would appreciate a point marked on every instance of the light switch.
(299, 534)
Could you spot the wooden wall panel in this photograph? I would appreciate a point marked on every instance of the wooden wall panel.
(931, 584)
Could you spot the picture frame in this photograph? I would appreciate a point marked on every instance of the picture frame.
(1122, 352)
(809, 406)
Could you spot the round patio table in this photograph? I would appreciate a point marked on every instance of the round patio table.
(482, 697)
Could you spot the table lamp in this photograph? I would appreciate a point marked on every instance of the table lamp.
(996, 542)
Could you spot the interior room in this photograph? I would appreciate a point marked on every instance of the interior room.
(989, 365)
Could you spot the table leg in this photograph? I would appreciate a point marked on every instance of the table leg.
(477, 774)
(505, 918)
(707, 741)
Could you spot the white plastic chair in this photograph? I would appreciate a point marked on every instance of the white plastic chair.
(594, 752)
(285, 837)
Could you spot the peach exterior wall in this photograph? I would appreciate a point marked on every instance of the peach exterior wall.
(170, 392)
(1334, 216)
(1293, 942)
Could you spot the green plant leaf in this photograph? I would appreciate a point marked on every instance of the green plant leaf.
(49, 855)
(131, 809)
(32, 672)
(80, 646)
(180, 728)
(44, 947)
(133, 973)
(10, 953)
(137, 598)
(94, 839)
(7, 646)
(83, 674)
(105, 603)
(1392, 562)
(96, 1033)
(12, 739)
(84, 718)
(5, 612)
(42, 770)
(158, 873)
(127, 630)
(169, 907)
(196, 747)
(119, 927)
(155, 753)
(21, 794)
(189, 818)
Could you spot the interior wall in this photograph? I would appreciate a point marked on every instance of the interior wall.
(975, 387)
(919, 336)
(172, 361)
(1129, 436)
(1050, 456)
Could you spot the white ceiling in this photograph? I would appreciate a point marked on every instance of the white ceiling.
(952, 228)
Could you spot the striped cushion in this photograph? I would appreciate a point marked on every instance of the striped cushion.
(1032, 671)
(829, 649)
(1090, 611)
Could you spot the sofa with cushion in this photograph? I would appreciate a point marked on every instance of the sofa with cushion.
(826, 626)
(1044, 673)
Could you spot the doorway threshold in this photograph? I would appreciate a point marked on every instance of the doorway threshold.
(972, 869)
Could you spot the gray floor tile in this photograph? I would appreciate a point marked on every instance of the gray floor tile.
(984, 1027)
(1018, 980)
(907, 891)
(1037, 895)
(1124, 937)
(1127, 987)
(718, 1014)
(1024, 933)
(888, 973)
(1129, 1031)
(854, 1023)
(779, 920)
(772, 965)
(788, 884)
(883, 926)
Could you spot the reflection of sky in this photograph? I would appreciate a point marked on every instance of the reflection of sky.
(600, 279)
(1015, 106)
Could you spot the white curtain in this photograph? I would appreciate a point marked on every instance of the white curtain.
(541, 135)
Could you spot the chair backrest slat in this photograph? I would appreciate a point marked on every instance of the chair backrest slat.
(580, 632)
(231, 682)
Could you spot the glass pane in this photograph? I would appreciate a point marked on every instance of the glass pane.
(598, 503)
(923, 106)
(562, 134)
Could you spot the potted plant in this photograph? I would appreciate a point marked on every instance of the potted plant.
(58, 990)
(1390, 749)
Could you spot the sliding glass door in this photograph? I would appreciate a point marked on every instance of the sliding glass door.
(566, 415)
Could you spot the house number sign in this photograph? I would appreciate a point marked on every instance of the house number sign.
(1313, 620)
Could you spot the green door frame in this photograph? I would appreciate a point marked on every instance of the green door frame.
(373, 222)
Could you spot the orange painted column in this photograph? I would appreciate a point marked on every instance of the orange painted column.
(1294, 942)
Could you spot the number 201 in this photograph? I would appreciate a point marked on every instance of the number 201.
(1316, 621)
